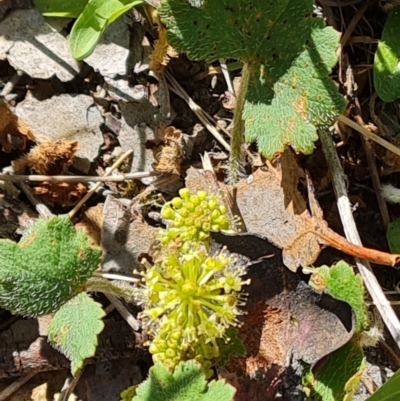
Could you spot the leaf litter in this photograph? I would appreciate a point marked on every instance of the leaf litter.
(287, 321)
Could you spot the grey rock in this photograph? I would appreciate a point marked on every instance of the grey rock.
(70, 117)
(31, 45)
(111, 53)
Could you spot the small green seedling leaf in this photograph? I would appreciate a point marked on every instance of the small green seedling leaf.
(60, 8)
(187, 383)
(341, 282)
(93, 21)
(387, 57)
(289, 54)
(393, 236)
(390, 391)
(74, 329)
(233, 347)
(338, 377)
(49, 265)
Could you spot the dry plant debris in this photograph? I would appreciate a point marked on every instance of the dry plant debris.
(285, 319)
(52, 158)
(169, 154)
(287, 322)
(14, 133)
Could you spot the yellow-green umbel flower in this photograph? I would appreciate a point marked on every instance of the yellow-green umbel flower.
(191, 217)
(192, 299)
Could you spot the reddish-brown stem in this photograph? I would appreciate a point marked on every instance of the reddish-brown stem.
(334, 240)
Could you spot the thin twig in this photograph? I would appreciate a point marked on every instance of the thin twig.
(350, 229)
(78, 178)
(119, 306)
(15, 386)
(176, 88)
(9, 86)
(225, 73)
(69, 387)
(40, 207)
(92, 190)
(370, 135)
(111, 276)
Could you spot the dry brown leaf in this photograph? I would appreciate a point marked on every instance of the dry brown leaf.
(206, 180)
(273, 207)
(229, 102)
(286, 321)
(13, 132)
(52, 158)
(169, 155)
(91, 223)
(162, 50)
(60, 193)
(47, 158)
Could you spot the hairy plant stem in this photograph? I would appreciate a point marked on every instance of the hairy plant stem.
(97, 284)
(236, 158)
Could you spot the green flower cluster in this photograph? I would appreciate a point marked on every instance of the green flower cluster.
(193, 216)
(192, 298)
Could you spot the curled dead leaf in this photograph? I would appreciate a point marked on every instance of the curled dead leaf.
(273, 207)
(47, 158)
(91, 223)
(169, 154)
(162, 50)
(60, 193)
(14, 133)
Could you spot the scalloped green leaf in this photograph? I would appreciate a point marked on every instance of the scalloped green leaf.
(339, 376)
(60, 8)
(341, 282)
(387, 59)
(256, 31)
(74, 329)
(303, 98)
(187, 383)
(93, 21)
(290, 56)
(49, 265)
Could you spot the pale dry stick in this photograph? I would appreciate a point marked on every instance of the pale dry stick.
(352, 25)
(69, 387)
(9, 86)
(78, 178)
(97, 185)
(202, 114)
(176, 88)
(128, 317)
(369, 383)
(350, 229)
(370, 135)
(40, 207)
(225, 73)
(15, 386)
(111, 276)
(346, 35)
